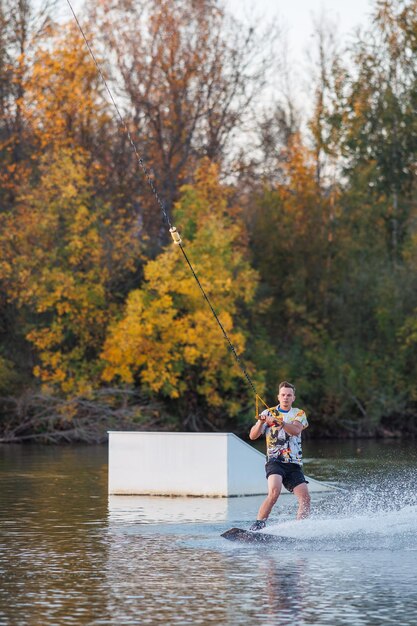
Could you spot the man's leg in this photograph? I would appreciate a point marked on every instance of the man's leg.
(274, 489)
(303, 497)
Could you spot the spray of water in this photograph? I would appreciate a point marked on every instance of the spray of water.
(375, 513)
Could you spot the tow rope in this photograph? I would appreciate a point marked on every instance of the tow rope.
(172, 229)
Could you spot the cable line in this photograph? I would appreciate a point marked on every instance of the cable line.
(173, 231)
(123, 123)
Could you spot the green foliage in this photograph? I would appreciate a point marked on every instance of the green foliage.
(8, 377)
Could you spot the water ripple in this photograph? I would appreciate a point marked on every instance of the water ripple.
(69, 555)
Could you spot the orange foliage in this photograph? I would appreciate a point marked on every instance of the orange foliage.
(63, 92)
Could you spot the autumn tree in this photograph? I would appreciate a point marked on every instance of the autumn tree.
(167, 339)
(314, 274)
(61, 251)
(378, 116)
(377, 138)
(289, 244)
(64, 97)
(22, 29)
(188, 72)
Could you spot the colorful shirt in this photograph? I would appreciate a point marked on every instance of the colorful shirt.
(281, 446)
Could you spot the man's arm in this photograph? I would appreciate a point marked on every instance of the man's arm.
(293, 428)
(256, 430)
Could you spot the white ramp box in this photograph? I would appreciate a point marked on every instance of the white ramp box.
(187, 464)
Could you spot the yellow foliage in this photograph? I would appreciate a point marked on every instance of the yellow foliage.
(167, 336)
(59, 261)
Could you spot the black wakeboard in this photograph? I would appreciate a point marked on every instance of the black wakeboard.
(248, 536)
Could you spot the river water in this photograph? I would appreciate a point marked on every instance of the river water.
(71, 555)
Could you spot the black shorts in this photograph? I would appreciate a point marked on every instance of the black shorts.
(291, 473)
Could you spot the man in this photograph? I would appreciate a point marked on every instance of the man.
(282, 427)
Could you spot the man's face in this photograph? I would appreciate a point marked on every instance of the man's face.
(285, 398)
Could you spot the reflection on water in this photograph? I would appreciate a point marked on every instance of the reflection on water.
(69, 554)
(155, 510)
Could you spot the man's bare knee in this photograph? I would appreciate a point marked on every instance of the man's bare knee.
(273, 494)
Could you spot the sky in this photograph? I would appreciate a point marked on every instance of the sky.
(297, 15)
(296, 20)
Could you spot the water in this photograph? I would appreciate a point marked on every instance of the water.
(71, 555)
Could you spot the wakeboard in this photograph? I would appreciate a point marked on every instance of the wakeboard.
(248, 536)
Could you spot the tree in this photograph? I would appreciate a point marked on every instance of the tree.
(61, 252)
(21, 30)
(188, 73)
(379, 134)
(64, 95)
(290, 246)
(166, 339)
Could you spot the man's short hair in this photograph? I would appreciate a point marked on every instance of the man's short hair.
(286, 384)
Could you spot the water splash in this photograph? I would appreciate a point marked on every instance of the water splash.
(373, 515)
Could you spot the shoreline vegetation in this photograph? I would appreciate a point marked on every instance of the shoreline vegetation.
(36, 418)
(301, 225)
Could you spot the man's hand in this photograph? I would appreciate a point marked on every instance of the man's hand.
(272, 420)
